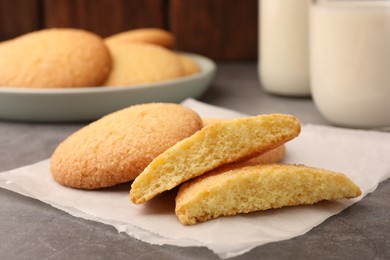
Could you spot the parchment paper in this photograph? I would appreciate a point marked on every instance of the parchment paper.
(361, 155)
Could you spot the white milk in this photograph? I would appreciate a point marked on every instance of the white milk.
(283, 46)
(350, 62)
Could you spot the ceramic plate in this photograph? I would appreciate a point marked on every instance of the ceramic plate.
(86, 104)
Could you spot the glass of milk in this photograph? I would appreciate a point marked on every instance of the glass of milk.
(350, 61)
(284, 46)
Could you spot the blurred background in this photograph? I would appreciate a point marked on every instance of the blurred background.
(219, 29)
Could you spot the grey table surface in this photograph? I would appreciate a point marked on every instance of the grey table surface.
(30, 229)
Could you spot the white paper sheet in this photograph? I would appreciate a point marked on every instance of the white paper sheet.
(361, 155)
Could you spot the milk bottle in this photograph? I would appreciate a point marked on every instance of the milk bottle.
(283, 46)
(350, 61)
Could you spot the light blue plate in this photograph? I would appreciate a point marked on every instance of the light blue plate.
(87, 104)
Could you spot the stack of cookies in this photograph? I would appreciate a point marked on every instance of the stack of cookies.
(72, 58)
(222, 167)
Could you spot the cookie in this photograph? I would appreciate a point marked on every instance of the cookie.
(211, 147)
(272, 156)
(189, 65)
(54, 58)
(117, 147)
(144, 35)
(211, 120)
(140, 63)
(258, 187)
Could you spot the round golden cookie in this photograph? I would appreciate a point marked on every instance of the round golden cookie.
(144, 35)
(189, 65)
(54, 58)
(116, 148)
(140, 63)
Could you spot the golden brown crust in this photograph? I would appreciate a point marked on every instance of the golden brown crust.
(144, 35)
(272, 156)
(116, 148)
(54, 58)
(237, 189)
(213, 146)
(189, 65)
(140, 63)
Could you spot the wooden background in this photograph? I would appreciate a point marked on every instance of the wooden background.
(219, 29)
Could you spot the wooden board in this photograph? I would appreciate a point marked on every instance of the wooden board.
(220, 29)
(104, 17)
(18, 17)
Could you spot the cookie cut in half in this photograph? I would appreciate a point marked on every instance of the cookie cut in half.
(118, 147)
(237, 189)
(272, 156)
(211, 147)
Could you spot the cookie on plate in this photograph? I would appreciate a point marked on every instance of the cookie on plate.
(189, 65)
(117, 147)
(235, 190)
(54, 58)
(140, 63)
(211, 147)
(143, 35)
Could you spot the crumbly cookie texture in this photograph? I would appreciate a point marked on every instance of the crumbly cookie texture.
(143, 35)
(54, 58)
(140, 63)
(211, 147)
(233, 190)
(273, 156)
(117, 147)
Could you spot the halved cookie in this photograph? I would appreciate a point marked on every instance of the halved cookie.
(117, 147)
(272, 156)
(237, 189)
(211, 147)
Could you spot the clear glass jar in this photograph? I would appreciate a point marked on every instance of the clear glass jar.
(350, 61)
(284, 47)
